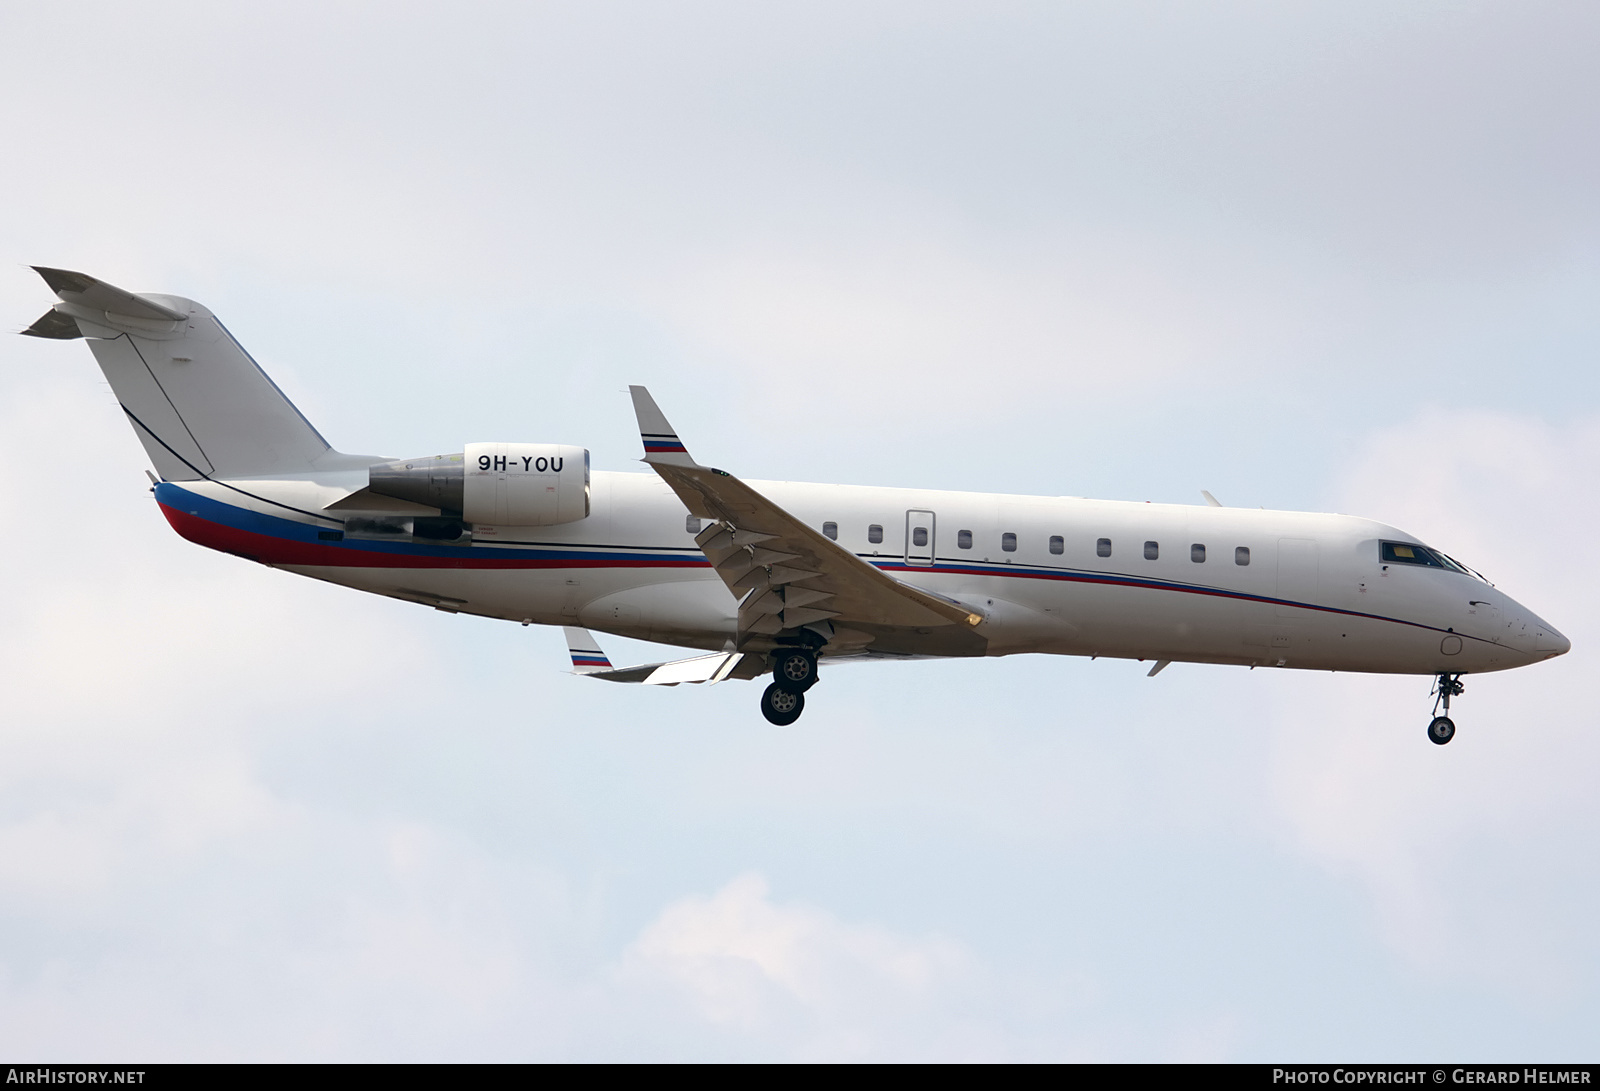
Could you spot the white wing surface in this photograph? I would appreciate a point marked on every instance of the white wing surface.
(790, 576)
(589, 661)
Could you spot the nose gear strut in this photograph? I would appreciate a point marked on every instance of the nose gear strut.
(1443, 728)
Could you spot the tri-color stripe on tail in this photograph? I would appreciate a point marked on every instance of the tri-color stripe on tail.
(587, 658)
(661, 443)
(590, 661)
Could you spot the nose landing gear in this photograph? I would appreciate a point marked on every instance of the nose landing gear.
(1443, 728)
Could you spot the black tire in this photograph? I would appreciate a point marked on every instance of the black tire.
(781, 706)
(795, 670)
(1441, 730)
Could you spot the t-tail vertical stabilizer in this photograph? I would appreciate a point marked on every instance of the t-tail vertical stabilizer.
(198, 402)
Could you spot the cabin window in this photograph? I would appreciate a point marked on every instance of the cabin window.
(964, 539)
(1197, 553)
(1058, 544)
(692, 524)
(919, 536)
(1102, 548)
(1152, 550)
(831, 530)
(1241, 556)
(1008, 542)
(875, 534)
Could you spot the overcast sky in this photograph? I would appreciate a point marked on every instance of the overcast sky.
(1327, 257)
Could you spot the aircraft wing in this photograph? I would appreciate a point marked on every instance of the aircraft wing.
(787, 574)
(589, 661)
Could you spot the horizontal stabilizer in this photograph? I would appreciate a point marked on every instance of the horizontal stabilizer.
(56, 326)
(86, 291)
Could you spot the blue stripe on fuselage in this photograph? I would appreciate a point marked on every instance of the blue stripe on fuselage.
(273, 526)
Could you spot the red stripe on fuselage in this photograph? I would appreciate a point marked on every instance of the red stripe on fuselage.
(265, 549)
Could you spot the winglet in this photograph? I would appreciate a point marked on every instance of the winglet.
(1211, 501)
(587, 658)
(661, 443)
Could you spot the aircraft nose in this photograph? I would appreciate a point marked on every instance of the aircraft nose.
(1549, 642)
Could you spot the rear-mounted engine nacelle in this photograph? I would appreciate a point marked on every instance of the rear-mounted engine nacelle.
(525, 484)
(500, 484)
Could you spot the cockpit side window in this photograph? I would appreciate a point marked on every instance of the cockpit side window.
(1407, 553)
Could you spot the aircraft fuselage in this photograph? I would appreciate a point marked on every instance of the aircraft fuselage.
(1058, 575)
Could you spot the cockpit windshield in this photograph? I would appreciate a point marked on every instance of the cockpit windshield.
(1409, 553)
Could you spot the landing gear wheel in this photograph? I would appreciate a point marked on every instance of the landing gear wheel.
(795, 670)
(781, 706)
(1442, 730)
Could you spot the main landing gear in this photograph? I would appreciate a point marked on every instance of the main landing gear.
(1443, 728)
(780, 706)
(794, 670)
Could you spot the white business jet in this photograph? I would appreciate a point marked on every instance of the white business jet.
(765, 576)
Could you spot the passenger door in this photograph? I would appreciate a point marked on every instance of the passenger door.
(1297, 573)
